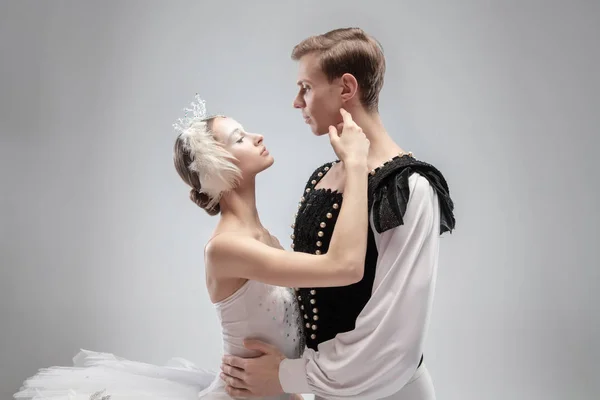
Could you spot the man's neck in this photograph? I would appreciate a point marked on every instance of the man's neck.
(382, 146)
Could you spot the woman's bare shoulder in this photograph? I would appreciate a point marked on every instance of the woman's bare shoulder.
(223, 241)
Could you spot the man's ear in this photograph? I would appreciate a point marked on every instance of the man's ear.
(349, 86)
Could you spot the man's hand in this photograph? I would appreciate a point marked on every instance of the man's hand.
(253, 377)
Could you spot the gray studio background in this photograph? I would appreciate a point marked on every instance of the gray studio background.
(101, 248)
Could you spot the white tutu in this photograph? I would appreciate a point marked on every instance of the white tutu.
(103, 376)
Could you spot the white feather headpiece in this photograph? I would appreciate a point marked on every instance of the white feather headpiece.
(210, 160)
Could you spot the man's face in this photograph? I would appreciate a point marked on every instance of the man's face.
(318, 99)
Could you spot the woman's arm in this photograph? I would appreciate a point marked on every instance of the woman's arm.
(231, 255)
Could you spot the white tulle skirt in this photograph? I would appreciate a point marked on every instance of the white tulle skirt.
(103, 376)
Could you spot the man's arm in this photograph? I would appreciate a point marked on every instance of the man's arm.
(382, 353)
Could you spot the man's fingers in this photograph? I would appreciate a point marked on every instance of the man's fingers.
(233, 371)
(233, 382)
(253, 344)
(234, 361)
(238, 393)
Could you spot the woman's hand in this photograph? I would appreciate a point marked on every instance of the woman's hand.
(351, 145)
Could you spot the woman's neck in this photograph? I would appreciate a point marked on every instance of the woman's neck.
(239, 207)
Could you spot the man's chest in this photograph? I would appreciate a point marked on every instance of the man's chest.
(334, 179)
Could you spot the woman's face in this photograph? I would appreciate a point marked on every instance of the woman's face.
(248, 148)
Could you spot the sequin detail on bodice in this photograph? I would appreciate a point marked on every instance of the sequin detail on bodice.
(261, 311)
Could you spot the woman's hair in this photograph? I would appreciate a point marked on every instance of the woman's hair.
(203, 163)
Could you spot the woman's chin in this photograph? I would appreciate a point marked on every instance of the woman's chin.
(269, 160)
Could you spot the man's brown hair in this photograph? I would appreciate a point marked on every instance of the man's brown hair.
(349, 50)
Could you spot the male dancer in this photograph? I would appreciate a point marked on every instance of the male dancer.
(365, 340)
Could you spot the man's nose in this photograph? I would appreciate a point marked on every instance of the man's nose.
(298, 102)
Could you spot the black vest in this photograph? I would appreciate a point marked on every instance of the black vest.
(329, 311)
